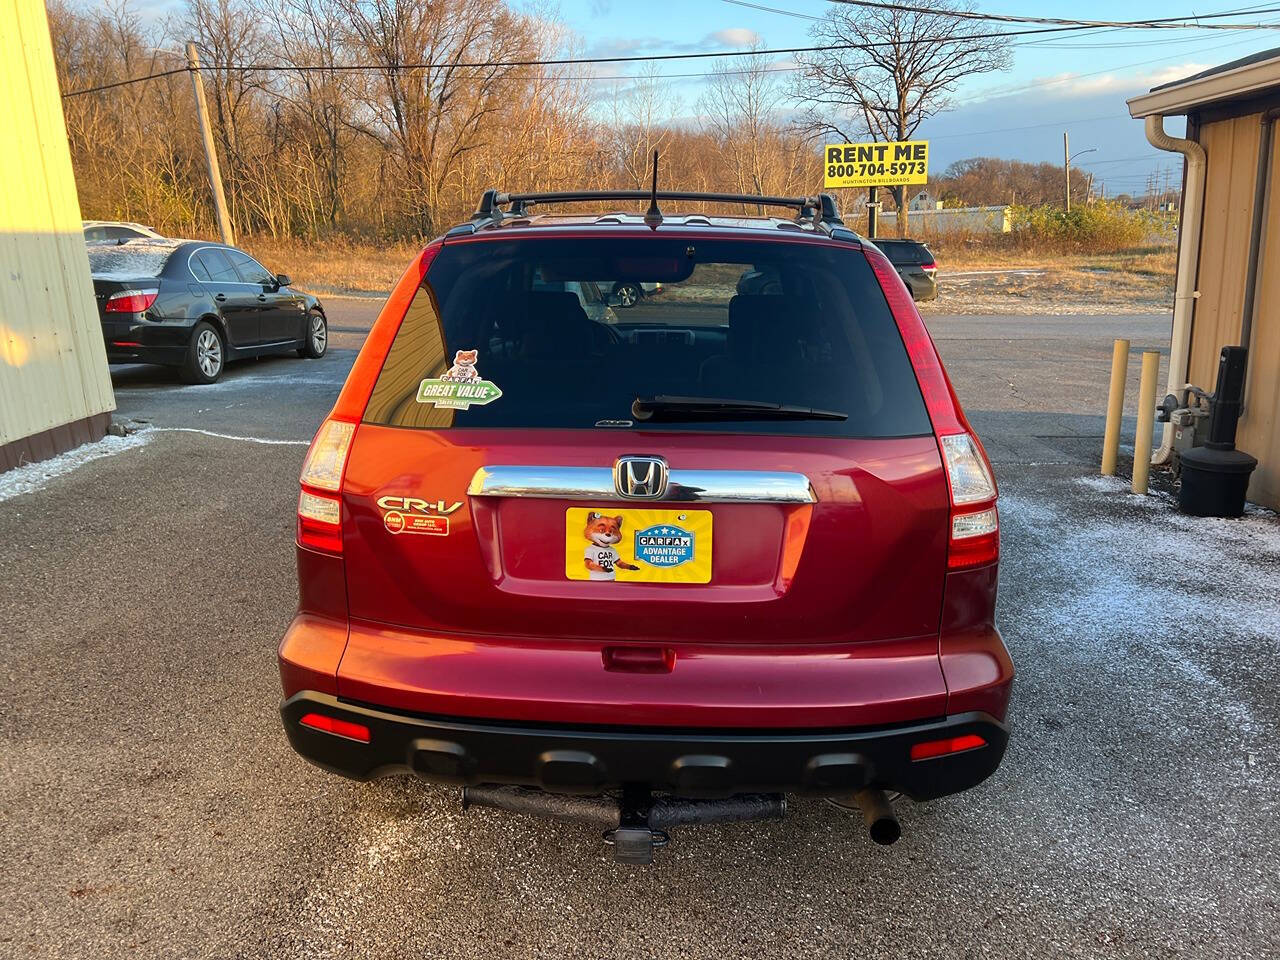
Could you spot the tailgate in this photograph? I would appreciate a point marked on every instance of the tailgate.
(859, 558)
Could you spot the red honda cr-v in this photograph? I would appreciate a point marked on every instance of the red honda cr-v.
(654, 566)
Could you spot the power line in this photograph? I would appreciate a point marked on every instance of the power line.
(1163, 23)
(565, 61)
(1145, 156)
(1031, 126)
(1069, 78)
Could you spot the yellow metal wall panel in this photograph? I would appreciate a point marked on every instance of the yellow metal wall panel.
(1259, 432)
(1231, 147)
(53, 367)
(1232, 150)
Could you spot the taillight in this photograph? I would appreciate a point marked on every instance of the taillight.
(320, 503)
(130, 301)
(974, 536)
(929, 266)
(974, 539)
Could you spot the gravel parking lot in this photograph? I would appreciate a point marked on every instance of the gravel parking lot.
(152, 807)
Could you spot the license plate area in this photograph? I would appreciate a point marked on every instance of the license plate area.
(637, 545)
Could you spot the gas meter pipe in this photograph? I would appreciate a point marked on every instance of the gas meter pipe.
(1188, 264)
(1146, 421)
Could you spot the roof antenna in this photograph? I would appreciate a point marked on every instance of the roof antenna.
(653, 216)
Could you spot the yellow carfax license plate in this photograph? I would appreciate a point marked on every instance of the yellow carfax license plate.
(640, 546)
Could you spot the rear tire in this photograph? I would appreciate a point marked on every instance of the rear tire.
(628, 294)
(206, 355)
(317, 343)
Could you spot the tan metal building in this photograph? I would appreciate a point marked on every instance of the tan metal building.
(55, 387)
(1228, 287)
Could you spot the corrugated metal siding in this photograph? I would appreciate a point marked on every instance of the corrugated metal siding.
(1232, 150)
(53, 365)
(1260, 427)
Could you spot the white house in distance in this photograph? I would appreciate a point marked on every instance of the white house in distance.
(927, 217)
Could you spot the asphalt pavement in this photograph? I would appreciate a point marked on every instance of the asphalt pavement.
(152, 807)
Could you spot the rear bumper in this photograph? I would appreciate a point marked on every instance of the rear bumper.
(699, 763)
(129, 340)
(922, 286)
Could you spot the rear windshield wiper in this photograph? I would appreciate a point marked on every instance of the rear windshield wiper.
(671, 409)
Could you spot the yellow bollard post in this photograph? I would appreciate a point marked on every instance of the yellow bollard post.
(1115, 407)
(1146, 420)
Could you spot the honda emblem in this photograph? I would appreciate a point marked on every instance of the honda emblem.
(640, 478)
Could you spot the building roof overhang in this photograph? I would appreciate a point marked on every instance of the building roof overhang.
(1238, 80)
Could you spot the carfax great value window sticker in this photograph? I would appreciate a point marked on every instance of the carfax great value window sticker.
(640, 546)
(459, 388)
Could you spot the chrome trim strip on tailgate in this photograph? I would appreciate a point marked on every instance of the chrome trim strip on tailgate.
(683, 486)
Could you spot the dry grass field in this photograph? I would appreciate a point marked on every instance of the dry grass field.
(1001, 280)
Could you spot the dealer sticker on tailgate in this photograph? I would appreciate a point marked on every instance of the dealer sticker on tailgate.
(640, 546)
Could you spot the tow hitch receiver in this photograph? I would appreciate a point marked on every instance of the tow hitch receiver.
(635, 823)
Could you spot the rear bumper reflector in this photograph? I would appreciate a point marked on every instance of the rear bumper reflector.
(946, 746)
(341, 728)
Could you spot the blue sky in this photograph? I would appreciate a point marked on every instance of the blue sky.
(1078, 84)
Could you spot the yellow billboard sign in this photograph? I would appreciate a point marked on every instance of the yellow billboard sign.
(876, 164)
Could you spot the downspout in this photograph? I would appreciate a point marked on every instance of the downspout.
(1185, 292)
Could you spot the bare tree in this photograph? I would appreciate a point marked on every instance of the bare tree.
(741, 111)
(900, 68)
(639, 123)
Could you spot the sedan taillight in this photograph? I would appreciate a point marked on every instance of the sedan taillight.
(131, 301)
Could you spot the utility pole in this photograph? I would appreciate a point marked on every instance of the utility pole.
(1066, 172)
(210, 150)
(873, 211)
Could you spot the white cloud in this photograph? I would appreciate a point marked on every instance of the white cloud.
(1065, 86)
(732, 37)
(1170, 74)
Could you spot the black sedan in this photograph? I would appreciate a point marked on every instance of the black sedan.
(195, 305)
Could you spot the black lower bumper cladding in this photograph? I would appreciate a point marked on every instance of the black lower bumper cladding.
(701, 763)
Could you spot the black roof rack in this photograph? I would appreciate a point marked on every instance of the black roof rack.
(820, 210)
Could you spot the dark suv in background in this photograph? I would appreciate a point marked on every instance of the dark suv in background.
(915, 265)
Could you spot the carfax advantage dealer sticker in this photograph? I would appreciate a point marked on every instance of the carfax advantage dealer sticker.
(640, 546)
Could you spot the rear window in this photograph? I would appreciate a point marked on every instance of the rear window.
(127, 262)
(212, 265)
(531, 333)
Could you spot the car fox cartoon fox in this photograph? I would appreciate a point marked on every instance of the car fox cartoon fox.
(601, 558)
(464, 367)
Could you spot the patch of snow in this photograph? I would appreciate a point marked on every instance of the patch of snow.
(232, 436)
(1148, 585)
(130, 261)
(1104, 484)
(32, 476)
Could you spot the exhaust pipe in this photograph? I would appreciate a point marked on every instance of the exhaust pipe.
(882, 822)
